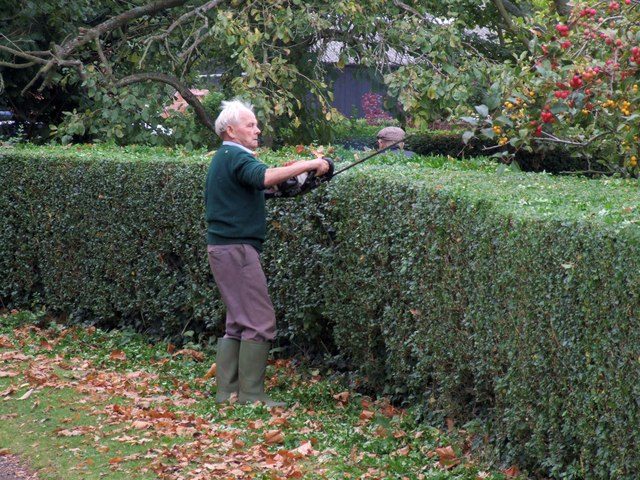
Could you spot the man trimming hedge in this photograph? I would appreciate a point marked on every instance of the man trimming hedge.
(236, 226)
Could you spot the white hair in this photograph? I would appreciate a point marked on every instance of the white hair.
(230, 114)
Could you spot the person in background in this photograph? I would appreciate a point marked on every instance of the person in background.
(236, 227)
(390, 135)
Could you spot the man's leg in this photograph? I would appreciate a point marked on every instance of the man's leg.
(258, 333)
(227, 359)
(226, 263)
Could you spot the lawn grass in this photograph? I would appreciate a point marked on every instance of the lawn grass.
(81, 403)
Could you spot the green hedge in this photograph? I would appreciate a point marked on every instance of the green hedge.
(508, 297)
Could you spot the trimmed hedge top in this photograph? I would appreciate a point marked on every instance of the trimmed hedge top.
(532, 195)
(610, 201)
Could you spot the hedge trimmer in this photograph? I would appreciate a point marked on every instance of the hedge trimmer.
(308, 181)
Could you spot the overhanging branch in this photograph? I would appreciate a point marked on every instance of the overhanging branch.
(189, 97)
(58, 57)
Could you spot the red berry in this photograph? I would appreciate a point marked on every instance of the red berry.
(547, 116)
(576, 82)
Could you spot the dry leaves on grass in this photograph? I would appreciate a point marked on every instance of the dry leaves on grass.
(146, 413)
(187, 352)
(447, 457)
(5, 342)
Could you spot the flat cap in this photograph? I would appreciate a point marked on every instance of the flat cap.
(391, 134)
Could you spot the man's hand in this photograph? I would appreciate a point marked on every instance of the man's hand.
(322, 166)
(275, 175)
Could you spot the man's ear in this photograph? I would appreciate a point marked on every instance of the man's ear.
(230, 133)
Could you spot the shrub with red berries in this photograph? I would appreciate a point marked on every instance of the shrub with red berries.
(576, 90)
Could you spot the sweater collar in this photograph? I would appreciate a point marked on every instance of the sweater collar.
(234, 144)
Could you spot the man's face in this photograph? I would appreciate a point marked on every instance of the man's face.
(246, 131)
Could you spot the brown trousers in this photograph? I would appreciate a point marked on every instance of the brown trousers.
(243, 287)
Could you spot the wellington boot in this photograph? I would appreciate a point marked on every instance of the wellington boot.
(251, 371)
(227, 368)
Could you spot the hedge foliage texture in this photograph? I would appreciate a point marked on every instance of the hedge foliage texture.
(509, 297)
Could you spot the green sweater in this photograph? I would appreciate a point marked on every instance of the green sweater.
(234, 198)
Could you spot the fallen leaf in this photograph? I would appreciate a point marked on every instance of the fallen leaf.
(381, 432)
(389, 411)
(7, 392)
(4, 451)
(305, 449)
(26, 395)
(512, 471)
(447, 456)
(366, 415)
(342, 397)
(5, 374)
(281, 421)
(211, 372)
(237, 443)
(256, 424)
(69, 433)
(118, 355)
(273, 436)
(140, 424)
(5, 342)
(403, 451)
(187, 352)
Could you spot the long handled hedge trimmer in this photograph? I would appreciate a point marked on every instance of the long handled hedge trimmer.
(308, 181)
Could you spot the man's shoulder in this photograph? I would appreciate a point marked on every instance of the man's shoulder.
(232, 151)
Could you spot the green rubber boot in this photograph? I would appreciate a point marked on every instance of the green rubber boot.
(251, 371)
(227, 368)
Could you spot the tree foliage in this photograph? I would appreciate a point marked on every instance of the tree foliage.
(110, 65)
(575, 90)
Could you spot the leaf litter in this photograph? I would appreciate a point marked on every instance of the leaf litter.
(132, 405)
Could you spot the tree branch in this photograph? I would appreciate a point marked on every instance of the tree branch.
(406, 7)
(180, 20)
(103, 59)
(17, 65)
(61, 52)
(563, 7)
(87, 35)
(189, 97)
(506, 17)
(515, 10)
(21, 54)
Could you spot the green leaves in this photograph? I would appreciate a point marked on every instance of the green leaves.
(482, 110)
